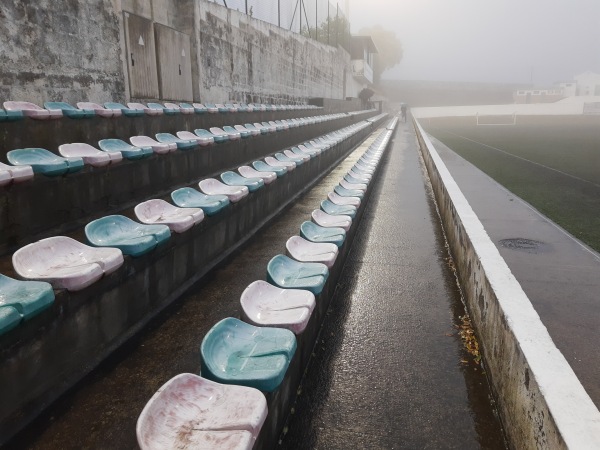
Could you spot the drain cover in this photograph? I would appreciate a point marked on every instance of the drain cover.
(527, 245)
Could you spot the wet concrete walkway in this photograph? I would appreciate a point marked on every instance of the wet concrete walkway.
(390, 370)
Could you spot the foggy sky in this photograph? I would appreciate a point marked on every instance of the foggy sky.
(488, 40)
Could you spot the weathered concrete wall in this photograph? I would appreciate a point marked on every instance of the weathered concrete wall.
(61, 50)
(541, 402)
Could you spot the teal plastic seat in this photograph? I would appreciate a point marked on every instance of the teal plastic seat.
(132, 238)
(234, 352)
(234, 179)
(217, 138)
(336, 210)
(182, 144)
(191, 198)
(231, 130)
(262, 166)
(10, 116)
(70, 111)
(44, 162)
(127, 150)
(168, 111)
(262, 129)
(124, 109)
(282, 157)
(21, 300)
(340, 190)
(288, 273)
(316, 233)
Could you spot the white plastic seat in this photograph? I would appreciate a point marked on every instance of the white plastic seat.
(176, 107)
(202, 140)
(360, 186)
(157, 147)
(270, 306)
(212, 186)
(242, 128)
(158, 211)
(100, 110)
(276, 163)
(290, 154)
(192, 412)
(65, 263)
(14, 174)
(339, 200)
(141, 107)
(251, 172)
(306, 251)
(33, 111)
(329, 220)
(89, 154)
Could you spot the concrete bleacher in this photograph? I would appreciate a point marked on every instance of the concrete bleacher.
(99, 318)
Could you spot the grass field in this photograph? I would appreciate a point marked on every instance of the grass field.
(552, 164)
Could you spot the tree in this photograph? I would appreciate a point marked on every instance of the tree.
(335, 30)
(389, 49)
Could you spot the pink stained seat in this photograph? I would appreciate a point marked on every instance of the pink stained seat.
(89, 154)
(339, 200)
(147, 110)
(346, 185)
(65, 263)
(251, 172)
(160, 212)
(157, 147)
(14, 174)
(329, 220)
(100, 110)
(211, 186)
(270, 306)
(33, 111)
(192, 412)
(306, 251)
(188, 136)
(176, 107)
(290, 154)
(276, 163)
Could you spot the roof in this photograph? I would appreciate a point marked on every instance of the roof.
(365, 40)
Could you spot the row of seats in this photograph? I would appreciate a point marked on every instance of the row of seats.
(15, 110)
(61, 262)
(239, 359)
(27, 161)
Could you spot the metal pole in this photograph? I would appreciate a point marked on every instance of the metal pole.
(306, 17)
(279, 13)
(337, 23)
(301, 16)
(246, 7)
(316, 23)
(294, 15)
(328, 21)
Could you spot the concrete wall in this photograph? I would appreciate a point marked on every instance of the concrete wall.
(541, 402)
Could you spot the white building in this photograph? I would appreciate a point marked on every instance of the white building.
(588, 83)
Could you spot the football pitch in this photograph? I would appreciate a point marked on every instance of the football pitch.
(552, 162)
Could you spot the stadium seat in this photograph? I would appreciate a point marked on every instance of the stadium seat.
(128, 151)
(128, 112)
(250, 172)
(330, 221)
(9, 318)
(287, 273)
(265, 127)
(14, 174)
(89, 154)
(211, 108)
(311, 151)
(339, 200)
(303, 250)
(157, 147)
(231, 135)
(355, 177)
(193, 412)
(294, 156)
(132, 238)
(234, 352)
(245, 133)
(11, 116)
(69, 110)
(217, 138)
(315, 233)
(146, 109)
(264, 167)
(32, 110)
(353, 186)
(44, 162)
(289, 165)
(234, 179)
(255, 130)
(28, 298)
(211, 186)
(287, 159)
(331, 208)
(189, 136)
(191, 198)
(160, 212)
(187, 109)
(65, 263)
(348, 192)
(182, 144)
(199, 108)
(99, 110)
(166, 110)
(265, 305)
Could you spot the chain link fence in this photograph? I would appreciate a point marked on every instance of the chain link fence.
(322, 20)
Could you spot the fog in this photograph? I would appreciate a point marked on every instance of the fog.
(516, 41)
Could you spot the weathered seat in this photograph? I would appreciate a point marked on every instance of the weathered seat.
(264, 167)
(211, 108)
(249, 172)
(65, 263)
(179, 108)
(331, 208)
(131, 237)
(191, 198)
(243, 131)
(289, 165)
(146, 109)
(44, 162)
(163, 108)
(342, 191)
(339, 200)
(217, 138)
(265, 127)
(355, 177)
(256, 130)
(128, 151)
(99, 110)
(32, 110)
(265, 305)
(234, 179)
(311, 151)
(157, 147)
(222, 108)
(329, 221)
(287, 159)
(89, 154)
(14, 174)
(157, 211)
(192, 412)
(199, 108)
(304, 250)
(27, 298)
(69, 110)
(187, 108)
(128, 112)
(294, 156)
(234, 352)
(315, 233)
(287, 273)
(11, 116)
(212, 186)
(200, 140)
(232, 136)
(352, 186)
(182, 144)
